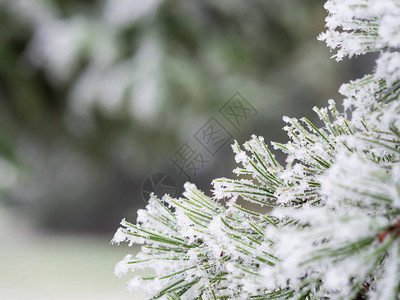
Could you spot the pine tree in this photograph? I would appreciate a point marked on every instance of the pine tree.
(334, 229)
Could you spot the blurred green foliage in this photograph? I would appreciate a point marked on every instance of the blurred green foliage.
(93, 96)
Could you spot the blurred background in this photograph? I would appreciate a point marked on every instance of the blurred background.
(98, 95)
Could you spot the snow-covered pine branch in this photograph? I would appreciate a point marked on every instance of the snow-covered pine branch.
(334, 228)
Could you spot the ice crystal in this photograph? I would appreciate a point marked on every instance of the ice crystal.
(334, 228)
